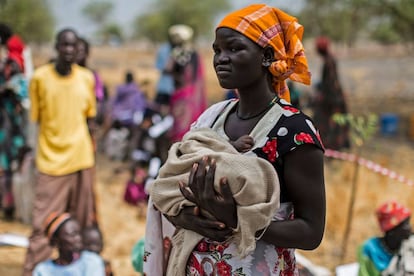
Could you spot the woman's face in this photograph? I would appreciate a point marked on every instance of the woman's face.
(69, 238)
(237, 60)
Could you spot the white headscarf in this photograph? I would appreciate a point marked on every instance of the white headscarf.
(180, 33)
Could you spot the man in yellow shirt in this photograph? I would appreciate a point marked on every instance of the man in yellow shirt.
(62, 103)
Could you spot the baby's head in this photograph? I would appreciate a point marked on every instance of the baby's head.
(92, 239)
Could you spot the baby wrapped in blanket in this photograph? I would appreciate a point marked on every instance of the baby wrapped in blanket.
(253, 182)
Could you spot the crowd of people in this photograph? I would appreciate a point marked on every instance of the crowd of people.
(64, 158)
(228, 189)
(64, 165)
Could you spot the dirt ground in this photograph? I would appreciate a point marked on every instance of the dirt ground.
(375, 81)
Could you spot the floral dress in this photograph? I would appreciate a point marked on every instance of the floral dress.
(13, 122)
(282, 129)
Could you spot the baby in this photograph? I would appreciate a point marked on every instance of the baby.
(256, 200)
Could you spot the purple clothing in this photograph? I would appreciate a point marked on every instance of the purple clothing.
(128, 101)
(99, 87)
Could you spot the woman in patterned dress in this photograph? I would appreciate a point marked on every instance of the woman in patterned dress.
(13, 94)
(255, 50)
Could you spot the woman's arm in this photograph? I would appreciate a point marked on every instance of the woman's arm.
(304, 179)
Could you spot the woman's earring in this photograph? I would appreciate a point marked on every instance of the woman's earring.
(266, 63)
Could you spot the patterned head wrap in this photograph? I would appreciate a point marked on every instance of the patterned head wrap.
(322, 43)
(390, 214)
(268, 26)
(53, 222)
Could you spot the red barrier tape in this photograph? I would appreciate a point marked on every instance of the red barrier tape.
(369, 165)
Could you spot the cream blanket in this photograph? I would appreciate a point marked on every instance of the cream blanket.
(253, 182)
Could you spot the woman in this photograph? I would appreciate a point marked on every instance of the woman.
(330, 100)
(83, 51)
(256, 49)
(188, 100)
(375, 254)
(64, 233)
(13, 114)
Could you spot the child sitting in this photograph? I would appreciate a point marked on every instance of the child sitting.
(135, 193)
(64, 233)
(93, 242)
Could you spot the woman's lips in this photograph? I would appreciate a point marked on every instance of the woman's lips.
(222, 71)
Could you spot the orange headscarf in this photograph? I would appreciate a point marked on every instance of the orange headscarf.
(268, 26)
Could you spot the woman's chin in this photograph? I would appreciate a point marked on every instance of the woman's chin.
(226, 85)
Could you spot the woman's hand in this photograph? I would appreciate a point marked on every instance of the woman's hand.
(190, 218)
(200, 190)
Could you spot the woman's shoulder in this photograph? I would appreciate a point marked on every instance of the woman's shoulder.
(291, 113)
(293, 118)
(207, 118)
(294, 128)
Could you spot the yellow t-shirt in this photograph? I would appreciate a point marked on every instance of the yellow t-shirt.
(61, 106)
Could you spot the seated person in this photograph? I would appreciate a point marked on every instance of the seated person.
(93, 242)
(376, 254)
(64, 233)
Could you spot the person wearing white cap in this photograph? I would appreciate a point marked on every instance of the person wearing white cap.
(188, 100)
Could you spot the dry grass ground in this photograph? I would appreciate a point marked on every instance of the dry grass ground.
(374, 82)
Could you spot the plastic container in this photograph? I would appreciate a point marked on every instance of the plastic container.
(389, 124)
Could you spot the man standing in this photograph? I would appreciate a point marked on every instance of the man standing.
(63, 104)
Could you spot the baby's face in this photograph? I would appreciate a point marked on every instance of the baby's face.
(92, 242)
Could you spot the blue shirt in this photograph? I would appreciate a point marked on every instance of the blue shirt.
(89, 264)
(165, 84)
(372, 251)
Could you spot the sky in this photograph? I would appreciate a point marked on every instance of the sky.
(69, 13)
